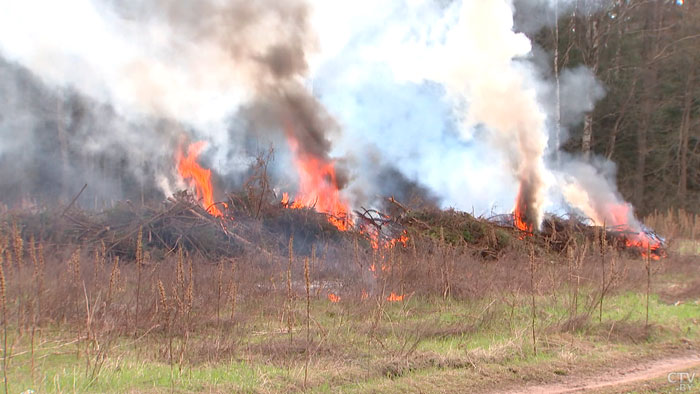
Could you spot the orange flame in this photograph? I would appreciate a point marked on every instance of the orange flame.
(198, 177)
(333, 298)
(318, 187)
(401, 240)
(621, 215)
(364, 295)
(395, 297)
(519, 218)
(372, 235)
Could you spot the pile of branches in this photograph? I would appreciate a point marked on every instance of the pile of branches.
(259, 223)
(179, 222)
(491, 236)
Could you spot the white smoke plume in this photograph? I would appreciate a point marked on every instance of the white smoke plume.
(448, 94)
(453, 95)
(464, 98)
(588, 188)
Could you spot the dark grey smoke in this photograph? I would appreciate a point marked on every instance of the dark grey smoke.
(239, 27)
(56, 140)
(291, 109)
(278, 115)
(411, 194)
(58, 135)
(280, 104)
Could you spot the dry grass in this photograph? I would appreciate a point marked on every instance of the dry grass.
(3, 306)
(187, 312)
(675, 224)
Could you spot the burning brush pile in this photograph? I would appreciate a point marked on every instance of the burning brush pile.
(482, 132)
(257, 220)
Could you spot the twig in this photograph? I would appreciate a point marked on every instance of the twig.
(4, 326)
(74, 199)
(648, 267)
(398, 204)
(308, 320)
(532, 291)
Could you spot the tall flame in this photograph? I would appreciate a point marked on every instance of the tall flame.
(198, 177)
(520, 214)
(318, 187)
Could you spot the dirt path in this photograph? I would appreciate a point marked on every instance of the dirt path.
(622, 377)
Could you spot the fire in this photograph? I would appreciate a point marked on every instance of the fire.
(373, 235)
(333, 298)
(364, 295)
(617, 216)
(401, 240)
(635, 237)
(378, 244)
(393, 297)
(318, 188)
(520, 220)
(641, 242)
(198, 177)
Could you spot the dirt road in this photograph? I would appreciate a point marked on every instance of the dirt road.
(623, 377)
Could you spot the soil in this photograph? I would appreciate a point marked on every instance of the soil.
(626, 377)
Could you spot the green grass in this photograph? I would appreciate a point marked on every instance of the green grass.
(632, 306)
(687, 247)
(415, 346)
(125, 372)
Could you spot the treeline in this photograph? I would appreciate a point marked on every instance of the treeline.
(646, 53)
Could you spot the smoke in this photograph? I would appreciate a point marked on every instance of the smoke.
(188, 62)
(52, 141)
(589, 188)
(459, 101)
(256, 47)
(297, 112)
(579, 91)
(446, 89)
(501, 92)
(148, 73)
(446, 99)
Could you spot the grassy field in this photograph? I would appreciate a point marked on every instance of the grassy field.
(416, 345)
(423, 343)
(423, 317)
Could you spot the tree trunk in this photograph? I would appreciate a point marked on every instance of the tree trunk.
(620, 117)
(684, 133)
(650, 80)
(557, 114)
(593, 62)
(587, 136)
